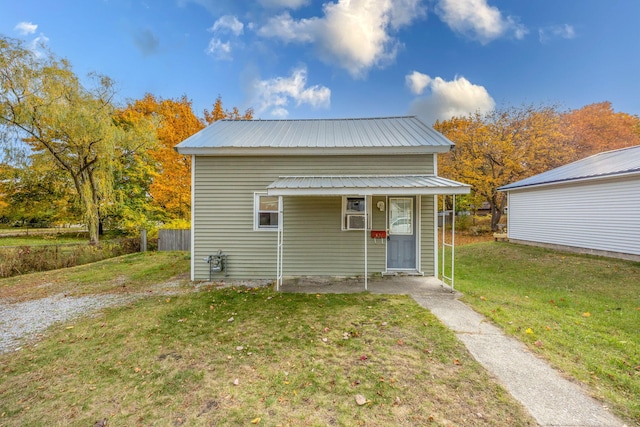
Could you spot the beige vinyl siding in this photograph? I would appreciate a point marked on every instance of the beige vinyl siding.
(223, 207)
(427, 227)
(315, 244)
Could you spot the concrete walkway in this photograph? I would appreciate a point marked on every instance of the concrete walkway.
(550, 399)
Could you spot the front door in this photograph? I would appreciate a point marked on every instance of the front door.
(401, 239)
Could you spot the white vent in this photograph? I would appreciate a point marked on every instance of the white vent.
(355, 222)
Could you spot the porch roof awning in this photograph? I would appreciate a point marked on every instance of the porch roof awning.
(365, 185)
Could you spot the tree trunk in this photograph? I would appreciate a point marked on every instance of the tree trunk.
(497, 202)
(89, 207)
(496, 214)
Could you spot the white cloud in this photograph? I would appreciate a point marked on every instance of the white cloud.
(352, 34)
(564, 31)
(289, 4)
(26, 28)
(477, 20)
(458, 97)
(417, 82)
(219, 50)
(228, 23)
(273, 96)
(39, 45)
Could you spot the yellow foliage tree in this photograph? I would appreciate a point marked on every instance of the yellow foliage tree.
(500, 147)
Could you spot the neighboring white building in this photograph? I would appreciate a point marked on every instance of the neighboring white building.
(589, 206)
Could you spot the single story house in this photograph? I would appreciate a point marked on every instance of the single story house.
(295, 198)
(589, 206)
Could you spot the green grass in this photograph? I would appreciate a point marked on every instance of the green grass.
(298, 359)
(128, 273)
(581, 313)
(43, 239)
(23, 255)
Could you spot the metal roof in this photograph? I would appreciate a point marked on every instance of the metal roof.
(610, 163)
(318, 136)
(364, 185)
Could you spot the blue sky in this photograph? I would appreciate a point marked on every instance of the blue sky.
(348, 58)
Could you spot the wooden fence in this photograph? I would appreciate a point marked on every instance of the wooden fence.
(174, 240)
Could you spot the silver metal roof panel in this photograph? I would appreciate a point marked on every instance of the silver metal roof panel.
(609, 163)
(318, 136)
(365, 185)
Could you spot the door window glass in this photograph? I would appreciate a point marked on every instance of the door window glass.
(400, 215)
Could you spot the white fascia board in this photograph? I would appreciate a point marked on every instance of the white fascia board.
(309, 151)
(366, 191)
(572, 181)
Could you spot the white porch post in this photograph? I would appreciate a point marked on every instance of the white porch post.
(453, 243)
(279, 252)
(366, 263)
(443, 274)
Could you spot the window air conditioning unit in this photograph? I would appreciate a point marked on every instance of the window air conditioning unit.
(355, 222)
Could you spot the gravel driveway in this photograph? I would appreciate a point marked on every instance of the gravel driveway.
(27, 319)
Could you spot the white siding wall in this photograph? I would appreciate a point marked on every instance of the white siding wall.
(602, 215)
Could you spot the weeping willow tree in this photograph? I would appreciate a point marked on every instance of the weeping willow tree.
(44, 105)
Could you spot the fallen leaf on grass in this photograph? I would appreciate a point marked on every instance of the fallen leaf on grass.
(456, 362)
(586, 314)
(255, 421)
(483, 298)
(538, 343)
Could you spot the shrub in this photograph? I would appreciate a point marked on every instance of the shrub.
(30, 259)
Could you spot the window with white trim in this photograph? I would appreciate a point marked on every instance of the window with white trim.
(353, 212)
(266, 212)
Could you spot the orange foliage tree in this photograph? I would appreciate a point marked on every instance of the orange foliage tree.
(175, 120)
(596, 128)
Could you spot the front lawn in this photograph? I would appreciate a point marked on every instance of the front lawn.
(582, 313)
(239, 356)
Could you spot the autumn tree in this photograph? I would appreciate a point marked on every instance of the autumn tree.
(44, 104)
(170, 188)
(501, 147)
(596, 128)
(170, 183)
(219, 113)
(37, 193)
